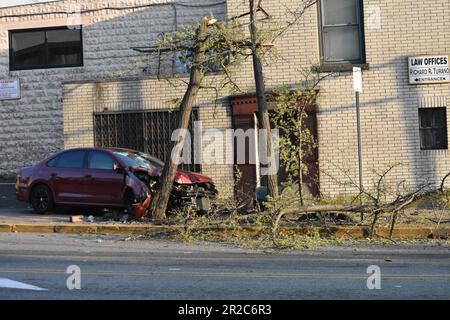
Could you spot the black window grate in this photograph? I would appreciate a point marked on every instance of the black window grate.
(433, 128)
(146, 131)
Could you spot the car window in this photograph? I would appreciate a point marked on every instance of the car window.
(101, 160)
(71, 159)
(138, 160)
(52, 163)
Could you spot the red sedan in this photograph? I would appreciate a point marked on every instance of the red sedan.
(105, 178)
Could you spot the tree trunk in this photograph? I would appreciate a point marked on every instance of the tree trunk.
(272, 179)
(301, 154)
(161, 199)
(300, 161)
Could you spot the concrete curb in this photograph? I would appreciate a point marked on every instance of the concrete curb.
(114, 229)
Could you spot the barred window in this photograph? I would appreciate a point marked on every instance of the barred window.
(433, 128)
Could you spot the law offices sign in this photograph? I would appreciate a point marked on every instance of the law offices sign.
(429, 69)
(9, 89)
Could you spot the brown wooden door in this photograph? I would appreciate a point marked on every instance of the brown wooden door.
(246, 185)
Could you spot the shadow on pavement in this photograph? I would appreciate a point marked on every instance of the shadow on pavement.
(8, 197)
(15, 211)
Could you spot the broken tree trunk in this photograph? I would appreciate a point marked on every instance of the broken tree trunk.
(170, 167)
(272, 179)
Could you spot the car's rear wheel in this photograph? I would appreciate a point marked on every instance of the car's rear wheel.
(41, 199)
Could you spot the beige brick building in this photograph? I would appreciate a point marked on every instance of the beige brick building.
(57, 106)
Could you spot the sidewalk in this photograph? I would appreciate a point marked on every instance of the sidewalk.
(24, 220)
(16, 216)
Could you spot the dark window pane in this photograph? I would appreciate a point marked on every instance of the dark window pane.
(46, 48)
(101, 160)
(64, 47)
(438, 139)
(433, 128)
(52, 163)
(339, 12)
(440, 118)
(427, 139)
(71, 159)
(426, 119)
(28, 49)
(341, 44)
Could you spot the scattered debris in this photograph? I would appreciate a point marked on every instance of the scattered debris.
(142, 209)
(76, 219)
(114, 215)
(124, 218)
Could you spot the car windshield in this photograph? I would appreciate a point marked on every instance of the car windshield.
(138, 159)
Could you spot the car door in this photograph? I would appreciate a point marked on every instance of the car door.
(105, 185)
(68, 177)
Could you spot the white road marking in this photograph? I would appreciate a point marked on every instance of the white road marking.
(11, 284)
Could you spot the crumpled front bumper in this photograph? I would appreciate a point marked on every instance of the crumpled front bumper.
(199, 196)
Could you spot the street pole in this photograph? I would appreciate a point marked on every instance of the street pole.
(357, 83)
(358, 124)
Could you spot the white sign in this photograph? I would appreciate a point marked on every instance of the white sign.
(357, 79)
(429, 69)
(9, 89)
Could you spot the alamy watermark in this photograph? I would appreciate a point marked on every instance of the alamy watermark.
(73, 16)
(374, 280)
(227, 147)
(73, 282)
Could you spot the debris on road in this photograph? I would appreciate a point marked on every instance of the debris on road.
(125, 218)
(76, 219)
(142, 209)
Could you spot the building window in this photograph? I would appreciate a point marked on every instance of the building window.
(433, 128)
(45, 48)
(341, 32)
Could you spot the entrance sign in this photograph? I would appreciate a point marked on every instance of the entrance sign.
(9, 89)
(429, 69)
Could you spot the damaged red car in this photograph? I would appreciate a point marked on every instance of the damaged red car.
(107, 178)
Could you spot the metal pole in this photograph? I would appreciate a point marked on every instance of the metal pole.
(358, 124)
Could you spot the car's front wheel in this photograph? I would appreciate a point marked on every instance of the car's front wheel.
(129, 202)
(41, 199)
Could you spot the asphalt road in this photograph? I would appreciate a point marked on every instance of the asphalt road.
(8, 197)
(15, 211)
(112, 268)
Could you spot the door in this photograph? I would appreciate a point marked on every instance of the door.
(67, 177)
(247, 171)
(104, 185)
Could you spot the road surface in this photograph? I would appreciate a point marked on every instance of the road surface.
(34, 267)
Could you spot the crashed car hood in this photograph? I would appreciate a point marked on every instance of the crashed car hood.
(181, 177)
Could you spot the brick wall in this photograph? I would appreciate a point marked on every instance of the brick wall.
(390, 132)
(33, 126)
